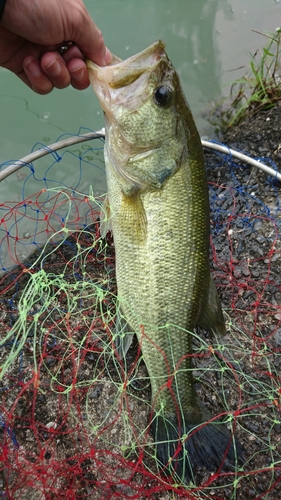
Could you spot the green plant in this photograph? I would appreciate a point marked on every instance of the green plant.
(258, 89)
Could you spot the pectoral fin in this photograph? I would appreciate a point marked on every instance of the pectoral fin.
(132, 217)
(123, 336)
(211, 318)
(105, 218)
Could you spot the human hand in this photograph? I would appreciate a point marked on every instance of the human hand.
(32, 33)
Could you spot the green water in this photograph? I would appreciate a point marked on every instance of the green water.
(205, 39)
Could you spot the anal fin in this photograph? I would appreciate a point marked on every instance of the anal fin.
(123, 335)
(211, 318)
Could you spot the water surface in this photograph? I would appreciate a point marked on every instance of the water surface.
(205, 39)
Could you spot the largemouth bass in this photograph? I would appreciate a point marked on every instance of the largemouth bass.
(158, 210)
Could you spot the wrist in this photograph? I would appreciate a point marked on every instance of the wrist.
(2, 6)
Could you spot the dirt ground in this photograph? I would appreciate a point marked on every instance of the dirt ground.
(75, 419)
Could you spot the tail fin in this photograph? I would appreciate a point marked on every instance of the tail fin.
(183, 449)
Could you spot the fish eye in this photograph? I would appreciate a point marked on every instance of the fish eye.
(163, 96)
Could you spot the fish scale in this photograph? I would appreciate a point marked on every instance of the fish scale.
(158, 210)
(158, 295)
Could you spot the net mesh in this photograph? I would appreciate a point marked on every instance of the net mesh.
(74, 418)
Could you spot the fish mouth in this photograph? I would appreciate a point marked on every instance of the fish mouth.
(108, 81)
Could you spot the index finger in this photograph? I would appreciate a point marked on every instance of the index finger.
(88, 37)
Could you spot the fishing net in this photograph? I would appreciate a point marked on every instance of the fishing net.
(74, 417)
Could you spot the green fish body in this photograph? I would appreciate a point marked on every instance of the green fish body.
(158, 210)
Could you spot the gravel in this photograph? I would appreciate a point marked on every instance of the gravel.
(79, 416)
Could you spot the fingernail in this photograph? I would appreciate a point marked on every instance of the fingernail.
(32, 66)
(54, 68)
(79, 73)
(107, 56)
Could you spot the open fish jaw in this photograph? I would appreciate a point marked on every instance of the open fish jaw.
(125, 82)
